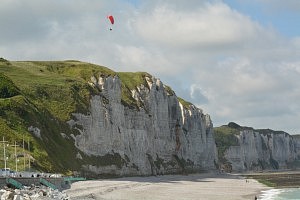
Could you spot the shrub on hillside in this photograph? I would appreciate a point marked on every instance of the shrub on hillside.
(7, 87)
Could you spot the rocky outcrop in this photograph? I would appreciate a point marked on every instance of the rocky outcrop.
(260, 149)
(157, 135)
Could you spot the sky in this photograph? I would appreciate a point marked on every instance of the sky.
(237, 60)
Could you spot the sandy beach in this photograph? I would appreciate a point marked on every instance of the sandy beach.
(191, 187)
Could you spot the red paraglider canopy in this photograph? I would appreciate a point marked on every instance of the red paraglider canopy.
(111, 19)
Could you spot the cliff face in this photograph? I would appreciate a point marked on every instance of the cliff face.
(159, 136)
(261, 149)
(78, 116)
(81, 117)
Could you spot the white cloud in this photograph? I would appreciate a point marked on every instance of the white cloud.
(296, 43)
(216, 57)
(210, 25)
(199, 95)
(135, 58)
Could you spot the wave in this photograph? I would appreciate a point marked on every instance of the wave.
(280, 194)
(270, 194)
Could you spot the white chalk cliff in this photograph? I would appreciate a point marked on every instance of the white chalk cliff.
(263, 149)
(158, 137)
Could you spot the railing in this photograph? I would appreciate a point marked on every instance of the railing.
(48, 184)
(15, 183)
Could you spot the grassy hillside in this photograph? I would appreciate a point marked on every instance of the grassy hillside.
(43, 94)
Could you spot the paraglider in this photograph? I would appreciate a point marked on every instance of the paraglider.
(112, 20)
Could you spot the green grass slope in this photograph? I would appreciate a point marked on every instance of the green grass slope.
(225, 137)
(43, 94)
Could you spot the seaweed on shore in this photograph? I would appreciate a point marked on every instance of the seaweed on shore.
(278, 179)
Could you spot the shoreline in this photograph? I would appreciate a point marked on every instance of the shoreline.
(204, 186)
(277, 179)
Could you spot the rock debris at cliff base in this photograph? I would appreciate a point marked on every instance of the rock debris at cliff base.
(32, 193)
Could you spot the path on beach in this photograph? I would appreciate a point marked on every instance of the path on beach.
(191, 187)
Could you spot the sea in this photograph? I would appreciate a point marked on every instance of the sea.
(281, 194)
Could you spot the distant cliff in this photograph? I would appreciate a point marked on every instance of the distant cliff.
(80, 117)
(244, 148)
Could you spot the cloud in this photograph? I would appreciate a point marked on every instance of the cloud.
(210, 25)
(252, 92)
(218, 58)
(32, 20)
(198, 95)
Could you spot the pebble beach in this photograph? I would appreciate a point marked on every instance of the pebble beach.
(180, 187)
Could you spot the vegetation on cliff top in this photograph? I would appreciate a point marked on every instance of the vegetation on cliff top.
(225, 137)
(130, 81)
(184, 103)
